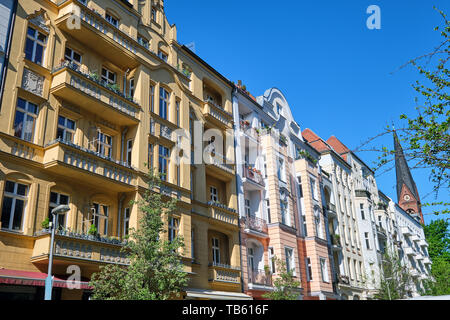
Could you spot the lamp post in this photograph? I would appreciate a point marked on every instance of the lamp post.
(49, 280)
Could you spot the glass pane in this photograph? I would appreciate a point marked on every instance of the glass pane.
(31, 32)
(63, 199)
(28, 128)
(54, 197)
(39, 54)
(42, 37)
(22, 190)
(9, 186)
(29, 49)
(32, 108)
(62, 121)
(68, 53)
(18, 124)
(69, 137)
(77, 57)
(70, 124)
(6, 212)
(18, 214)
(60, 133)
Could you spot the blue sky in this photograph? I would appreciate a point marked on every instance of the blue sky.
(334, 71)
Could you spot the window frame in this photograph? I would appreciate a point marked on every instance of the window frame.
(14, 196)
(36, 42)
(26, 114)
(65, 129)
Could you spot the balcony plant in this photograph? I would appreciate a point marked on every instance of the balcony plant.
(45, 224)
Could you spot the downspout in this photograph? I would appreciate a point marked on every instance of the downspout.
(121, 200)
(122, 147)
(8, 51)
(236, 124)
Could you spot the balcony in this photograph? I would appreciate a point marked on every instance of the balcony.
(414, 273)
(84, 90)
(409, 251)
(219, 167)
(223, 214)
(87, 166)
(419, 257)
(217, 115)
(426, 260)
(423, 243)
(72, 248)
(405, 231)
(381, 231)
(344, 280)
(259, 280)
(254, 225)
(336, 243)
(331, 210)
(224, 275)
(161, 132)
(248, 131)
(415, 238)
(253, 178)
(98, 35)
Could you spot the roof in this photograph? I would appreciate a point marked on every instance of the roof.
(315, 141)
(402, 170)
(339, 147)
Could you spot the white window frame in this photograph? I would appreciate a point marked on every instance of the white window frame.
(37, 42)
(53, 205)
(102, 146)
(112, 19)
(15, 197)
(126, 221)
(99, 218)
(27, 114)
(216, 250)
(65, 129)
(271, 256)
(174, 224)
(71, 57)
(109, 73)
(214, 195)
(129, 151)
(290, 260)
(324, 270)
(309, 273)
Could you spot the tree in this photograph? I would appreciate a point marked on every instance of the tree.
(156, 270)
(285, 286)
(438, 238)
(425, 136)
(395, 279)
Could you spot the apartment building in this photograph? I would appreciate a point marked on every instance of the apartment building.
(7, 15)
(342, 220)
(93, 97)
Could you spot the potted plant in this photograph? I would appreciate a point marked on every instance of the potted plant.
(92, 232)
(45, 224)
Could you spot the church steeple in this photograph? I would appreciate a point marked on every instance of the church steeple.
(407, 194)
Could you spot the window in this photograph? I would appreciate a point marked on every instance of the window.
(129, 151)
(193, 244)
(25, 121)
(164, 159)
(100, 218)
(363, 216)
(163, 56)
(164, 97)
(272, 260)
(153, 14)
(366, 236)
(104, 144)
(126, 222)
(216, 250)
(56, 200)
(152, 98)
(131, 87)
(112, 20)
(284, 213)
(173, 228)
(108, 76)
(324, 270)
(35, 46)
(213, 194)
(290, 265)
(300, 188)
(143, 42)
(269, 218)
(318, 221)
(251, 259)
(72, 56)
(247, 207)
(309, 274)
(350, 268)
(66, 129)
(14, 203)
(281, 171)
(313, 188)
(305, 229)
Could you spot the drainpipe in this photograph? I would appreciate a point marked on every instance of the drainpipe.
(8, 51)
(122, 147)
(125, 82)
(121, 200)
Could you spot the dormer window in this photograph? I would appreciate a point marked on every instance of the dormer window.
(114, 21)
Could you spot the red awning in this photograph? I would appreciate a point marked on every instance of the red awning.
(28, 278)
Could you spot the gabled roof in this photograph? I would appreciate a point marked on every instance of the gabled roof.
(339, 147)
(315, 141)
(402, 170)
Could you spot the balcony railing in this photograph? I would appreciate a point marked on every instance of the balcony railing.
(80, 246)
(224, 273)
(222, 213)
(254, 223)
(217, 114)
(88, 161)
(260, 277)
(254, 175)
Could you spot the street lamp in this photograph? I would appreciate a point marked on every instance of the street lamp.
(49, 280)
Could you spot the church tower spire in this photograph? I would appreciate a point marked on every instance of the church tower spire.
(407, 194)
